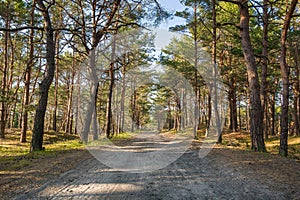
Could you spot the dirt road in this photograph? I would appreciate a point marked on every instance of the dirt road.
(222, 174)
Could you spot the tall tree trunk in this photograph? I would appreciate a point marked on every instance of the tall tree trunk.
(21, 113)
(133, 106)
(110, 93)
(39, 119)
(93, 92)
(240, 115)
(247, 110)
(256, 123)
(97, 35)
(77, 103)
(169, 115)
(272, 106)
(11, 106)
(70, 100)
(123, 99)
(117, 111)
(177, 111)
(68, 90)
(54, 117)
(3, 111)
(94, 124)
(284, 123)
(199, 106)
(215, 85)
(15, 114)
(209, 108)
(183, 119)
(264, 96)
(27, 79)
(296, 90)
(196, 109)
(232, 105)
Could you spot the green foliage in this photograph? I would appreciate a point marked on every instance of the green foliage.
(178, 55)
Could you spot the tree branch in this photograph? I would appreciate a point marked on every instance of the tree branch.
(36, 28)
(103, 31)
(21, 28)
(125, 24)
(231, 1)
(228, 24)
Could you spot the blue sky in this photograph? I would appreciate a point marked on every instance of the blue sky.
(163, 36)
(171, 6)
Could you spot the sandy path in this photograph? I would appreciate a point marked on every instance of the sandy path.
(223, 174)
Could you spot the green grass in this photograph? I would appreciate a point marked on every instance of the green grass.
(241, 140)
(272, 145)
(15, 155)
(123, 136)
(115, 138)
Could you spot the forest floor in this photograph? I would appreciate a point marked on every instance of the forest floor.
(227, 172)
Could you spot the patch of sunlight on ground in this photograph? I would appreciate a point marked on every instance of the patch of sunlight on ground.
(15, 155)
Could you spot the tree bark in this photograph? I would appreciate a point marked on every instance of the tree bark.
(256, 123)
(3, 96)
(70, 100)
(196, 108)
(12, 105)
(232, 105)
(214, 90)
(247, 111)
(110, 93)
(264, 96)
(122, 122)
(15, 113)
(297, 90)
(133, 106)
(27, 79)
(272, 106)
(54, 117)
(240, 115)
(93, 92)
(39, 119)
(97, 35)
(184, 110)
(284, 68)
(95, 125)
(77, 103)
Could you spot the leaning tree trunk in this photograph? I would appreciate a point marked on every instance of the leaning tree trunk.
(284, 123)
(39, 119)
(256, 123)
